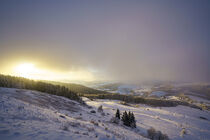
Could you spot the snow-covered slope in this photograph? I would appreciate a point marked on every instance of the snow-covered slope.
(169, 120)
(26, 114)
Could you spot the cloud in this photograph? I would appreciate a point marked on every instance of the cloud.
(133, 41)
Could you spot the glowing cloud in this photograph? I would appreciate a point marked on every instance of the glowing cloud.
(29, 70)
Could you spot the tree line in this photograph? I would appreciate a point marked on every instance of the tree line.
(23, 83)
(79, 89)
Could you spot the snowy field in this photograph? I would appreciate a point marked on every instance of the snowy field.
(158, 93)
(27, 115)
(198, 99)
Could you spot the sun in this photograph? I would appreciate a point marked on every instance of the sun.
(26, 70)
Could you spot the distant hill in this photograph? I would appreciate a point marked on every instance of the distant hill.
(23, 83)
(79, 89)
(44, 86)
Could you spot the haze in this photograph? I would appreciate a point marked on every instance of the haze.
(107, 40)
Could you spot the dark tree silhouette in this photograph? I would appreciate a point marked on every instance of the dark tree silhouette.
(125, 119)
(133, 120)
(23, 83)
(117, 115)
(129, 119)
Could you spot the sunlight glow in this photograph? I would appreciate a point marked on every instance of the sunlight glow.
(31, 71)
(26, 70)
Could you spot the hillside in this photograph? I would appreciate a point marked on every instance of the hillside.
(75, 92)
(80, 89)
(26, 114)
(197, 94)
(23, 83)
(20, 82)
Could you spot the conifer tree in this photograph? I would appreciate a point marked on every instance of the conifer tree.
(117, 115)
(133, 121)
(129, 118)
(125, 119)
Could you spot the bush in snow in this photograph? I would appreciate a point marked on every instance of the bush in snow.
(90, 129)
(103, 114)
(93, 122)
(92, 111)
(151, 132)
(64, 127)
(100, 108)
(156, 135)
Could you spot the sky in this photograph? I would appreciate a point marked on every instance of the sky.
(133, 40)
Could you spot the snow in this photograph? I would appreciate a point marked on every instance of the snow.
(26, 114)
(173, 98)
(158, 93)
(198, 99)
(169, 120)
(133, 89)
(126, 89)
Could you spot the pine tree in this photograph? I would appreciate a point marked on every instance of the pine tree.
(117, 115)
(129, 118)
(133, 121)
(125, 119)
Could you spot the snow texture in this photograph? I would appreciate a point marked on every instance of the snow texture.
(26, 114)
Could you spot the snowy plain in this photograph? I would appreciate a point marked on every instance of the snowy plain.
(26, 114)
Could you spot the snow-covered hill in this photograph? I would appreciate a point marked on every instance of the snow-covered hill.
(26, 114)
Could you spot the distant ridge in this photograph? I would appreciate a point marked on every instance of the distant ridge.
(78, 88)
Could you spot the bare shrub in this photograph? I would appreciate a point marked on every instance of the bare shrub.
(103, 114)
(100, 108)
(183, 132)
(90, 129)
(93, 122)
(156, 135)
(92, 111)
(85, 133)
(64, 127)
(76, 132)
(151, 132)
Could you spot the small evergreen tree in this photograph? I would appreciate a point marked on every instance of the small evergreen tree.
(133, 120)
(125, 119)
(117, 115)
(129, 119)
